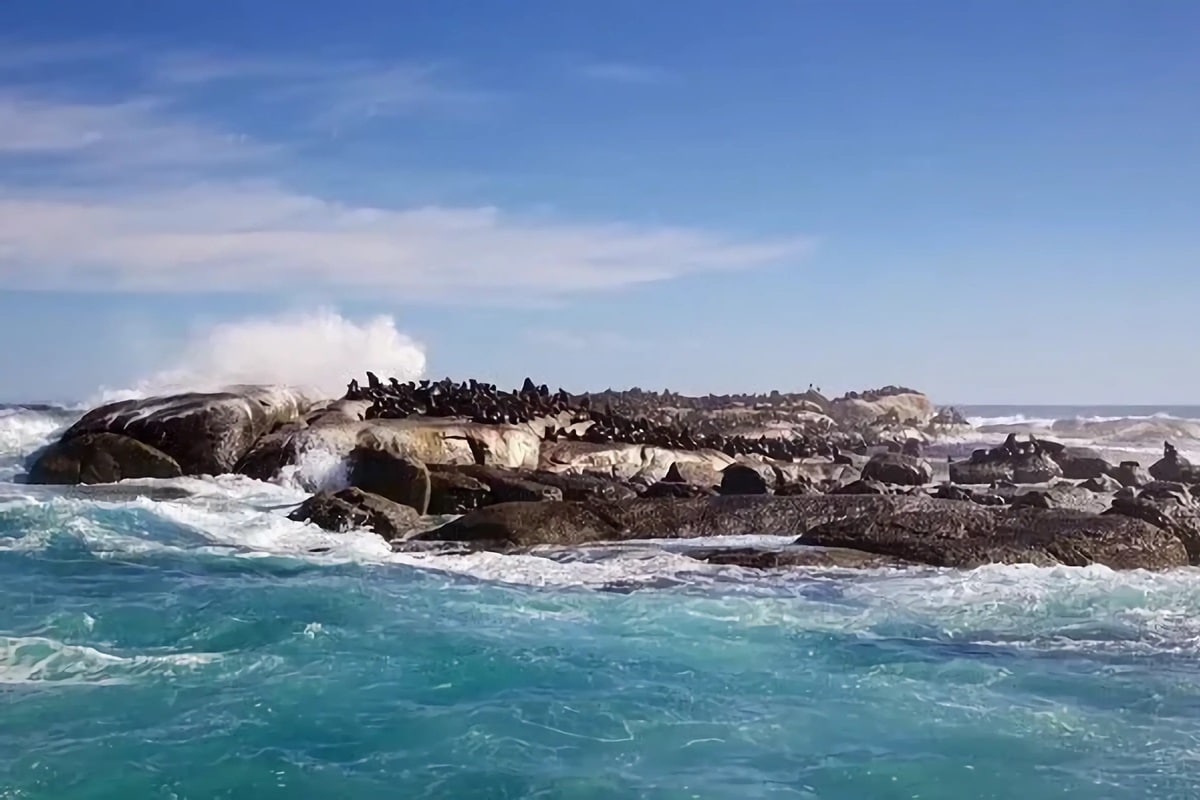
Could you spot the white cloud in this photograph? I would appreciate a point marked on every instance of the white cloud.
(318, 350)
(139, 131)
(151, 226)
(237, 237)
(624, 72)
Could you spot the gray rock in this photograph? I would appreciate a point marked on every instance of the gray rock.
(898, 469)
(353, 508)
(100, 458)
(1023, 468)
(1070, 497)
(1131, 473)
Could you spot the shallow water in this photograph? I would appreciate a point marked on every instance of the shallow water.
(194, 648)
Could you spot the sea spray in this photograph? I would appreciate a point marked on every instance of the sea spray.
(317, 351)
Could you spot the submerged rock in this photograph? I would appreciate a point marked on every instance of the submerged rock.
(100, 458)
(352, 508)
(955, 534)
(755, 558)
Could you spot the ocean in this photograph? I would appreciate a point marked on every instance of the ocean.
(195, 647)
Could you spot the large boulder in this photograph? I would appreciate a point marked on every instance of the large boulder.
(353, 508)
(625, 461)
(900, 406)
(747, 479)
(398, 478)
(956, 534)
(206, 434)
(100, 458)
(453, 492)
(339, 430)
(898, 469)
(1081, 463)
(508, 486)
(997, 466)
(1131, 473)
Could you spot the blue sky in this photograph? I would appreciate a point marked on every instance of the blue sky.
(991, 201)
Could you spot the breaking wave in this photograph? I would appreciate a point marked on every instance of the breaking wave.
(317, 351)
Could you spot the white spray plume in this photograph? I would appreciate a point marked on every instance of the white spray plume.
(318, 351)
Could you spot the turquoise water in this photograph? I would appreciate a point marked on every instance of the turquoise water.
(196, 649)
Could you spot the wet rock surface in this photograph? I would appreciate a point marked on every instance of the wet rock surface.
(352, 508)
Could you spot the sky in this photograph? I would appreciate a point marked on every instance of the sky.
(994, 201)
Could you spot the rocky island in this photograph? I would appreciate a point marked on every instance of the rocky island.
(465, 465)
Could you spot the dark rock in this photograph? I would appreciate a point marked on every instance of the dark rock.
(956, 534)
(948, 491)
(741, 479)
(1101, 484)
(1131, 473)
(916, 528)
(1080, 463)
(508, 486)
(353, 508)
(527, 524)
(662, 489)
(753, 558)
(1070, 497)
(398, 478)
(693, 472)
(1174, 467)
(100, 458)
(862, 486)
(584, 487)
(898, 469)
(271, 453)
(452, 492)
(206, 434)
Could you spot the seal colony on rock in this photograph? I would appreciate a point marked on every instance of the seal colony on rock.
(574, 417)
(535, 467)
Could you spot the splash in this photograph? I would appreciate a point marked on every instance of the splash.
(317, 351)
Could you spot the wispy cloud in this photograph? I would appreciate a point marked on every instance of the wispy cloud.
(153, 224)
(624, 72)
(578, 340)
(137, 131)
(231, 237)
